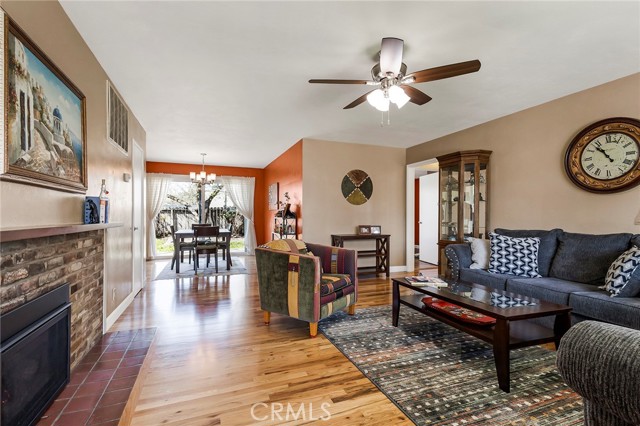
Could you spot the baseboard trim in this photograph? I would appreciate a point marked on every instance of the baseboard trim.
(111, 319)
(401, 268)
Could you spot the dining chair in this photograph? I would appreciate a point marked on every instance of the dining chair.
(222, 244)
(206, 242)
(179, 247)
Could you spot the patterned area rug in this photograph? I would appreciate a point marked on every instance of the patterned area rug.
(186, 269)
(438, 375)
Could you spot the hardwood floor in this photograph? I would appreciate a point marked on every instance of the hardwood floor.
(215, 362)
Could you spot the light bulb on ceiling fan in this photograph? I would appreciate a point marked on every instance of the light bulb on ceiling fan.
(398, 96)
(378, 100)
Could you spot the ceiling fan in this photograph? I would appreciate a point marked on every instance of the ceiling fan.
(390, 75)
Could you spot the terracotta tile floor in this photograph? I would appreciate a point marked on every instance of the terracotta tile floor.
(101, 384)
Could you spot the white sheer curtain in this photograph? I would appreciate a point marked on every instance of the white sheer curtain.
(157, 186)
(241, 190)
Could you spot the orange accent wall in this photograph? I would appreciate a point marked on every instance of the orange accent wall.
(287, 171)
(416, 213)
(260, 197)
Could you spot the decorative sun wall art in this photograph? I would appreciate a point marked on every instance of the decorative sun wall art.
(357, 187)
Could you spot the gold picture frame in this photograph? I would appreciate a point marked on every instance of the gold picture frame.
(44, 117)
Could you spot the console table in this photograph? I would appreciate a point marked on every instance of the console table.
(381, 252)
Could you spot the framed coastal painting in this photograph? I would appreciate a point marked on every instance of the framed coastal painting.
(44, 117)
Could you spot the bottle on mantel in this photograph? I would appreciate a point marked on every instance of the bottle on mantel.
(104, 201)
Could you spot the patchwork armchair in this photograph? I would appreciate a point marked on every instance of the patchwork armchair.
(306, 281)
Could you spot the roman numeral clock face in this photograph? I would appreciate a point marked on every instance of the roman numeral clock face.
(609, 156)
(605, 157)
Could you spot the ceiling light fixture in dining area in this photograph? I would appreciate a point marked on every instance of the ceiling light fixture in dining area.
(202, 176)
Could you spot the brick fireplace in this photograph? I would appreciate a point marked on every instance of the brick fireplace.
(35, 265)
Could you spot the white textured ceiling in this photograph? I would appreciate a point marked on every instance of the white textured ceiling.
(230, 78)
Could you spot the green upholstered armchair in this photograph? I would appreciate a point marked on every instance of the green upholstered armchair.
(308, 283)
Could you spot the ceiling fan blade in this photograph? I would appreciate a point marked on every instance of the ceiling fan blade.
(328, 81)
(417, 97)
(358, 101)
(445, 71)
(391, 55)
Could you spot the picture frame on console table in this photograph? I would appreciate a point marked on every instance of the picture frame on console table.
(44, 118)
(376, 229)
(364, 230)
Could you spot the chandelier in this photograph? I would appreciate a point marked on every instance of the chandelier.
(202, 176)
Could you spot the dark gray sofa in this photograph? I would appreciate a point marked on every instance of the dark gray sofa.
(572, 267)
(600, 362)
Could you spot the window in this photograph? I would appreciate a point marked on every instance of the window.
(117, 119)
(182, 209)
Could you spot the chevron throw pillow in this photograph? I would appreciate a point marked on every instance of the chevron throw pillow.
(514, 256)
(620, 271)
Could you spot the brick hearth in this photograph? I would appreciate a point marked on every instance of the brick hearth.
(35, 266)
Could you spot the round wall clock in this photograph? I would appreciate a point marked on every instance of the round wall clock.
(357, 187)
(605, 156)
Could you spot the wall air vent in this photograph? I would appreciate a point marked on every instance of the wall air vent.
(117, 119)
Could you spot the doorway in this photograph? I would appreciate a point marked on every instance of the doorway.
(422, 215)
(428, 218)
(138, 241)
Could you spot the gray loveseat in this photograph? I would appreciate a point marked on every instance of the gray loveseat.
(572, 266)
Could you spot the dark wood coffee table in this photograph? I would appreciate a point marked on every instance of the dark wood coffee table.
(511, 330)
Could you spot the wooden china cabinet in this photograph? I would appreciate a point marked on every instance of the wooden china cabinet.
(463, 204)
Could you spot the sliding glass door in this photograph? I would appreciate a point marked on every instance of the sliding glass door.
(188, 203)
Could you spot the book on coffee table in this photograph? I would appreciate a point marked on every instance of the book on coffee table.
(421, 280)
(456, 311)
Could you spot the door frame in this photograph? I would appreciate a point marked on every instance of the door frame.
(410, 212)
(137, 150)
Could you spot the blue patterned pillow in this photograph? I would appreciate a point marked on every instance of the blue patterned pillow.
(514, 256)
(620, 271)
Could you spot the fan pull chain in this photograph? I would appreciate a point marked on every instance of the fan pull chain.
(388, 118)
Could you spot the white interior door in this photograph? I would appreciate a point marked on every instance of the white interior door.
(429, 218)
(138, 218)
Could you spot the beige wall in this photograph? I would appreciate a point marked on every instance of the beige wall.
(325, 210)
(529, 187)
(49, 27)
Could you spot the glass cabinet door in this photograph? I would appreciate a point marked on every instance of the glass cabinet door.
(468, 218)
(482, 205)
(449, 199)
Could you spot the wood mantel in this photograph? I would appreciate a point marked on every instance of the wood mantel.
(23, 233)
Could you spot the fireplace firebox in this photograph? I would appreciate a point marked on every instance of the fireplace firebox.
(35, 350)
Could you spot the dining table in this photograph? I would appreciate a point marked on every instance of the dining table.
(187, 234)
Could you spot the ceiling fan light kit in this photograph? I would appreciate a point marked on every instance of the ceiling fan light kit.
(398, 96)
(390, 75)
(379, 100)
